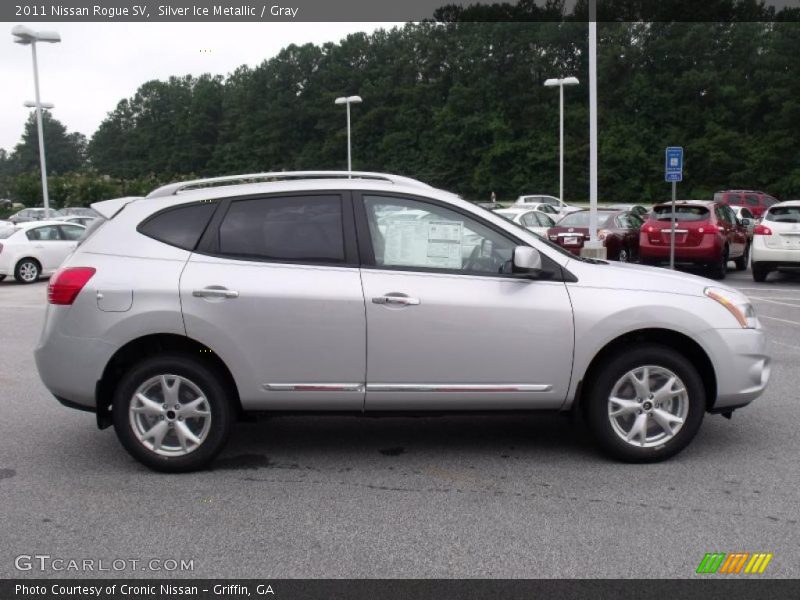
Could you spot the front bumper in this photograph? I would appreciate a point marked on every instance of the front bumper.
(741, 364)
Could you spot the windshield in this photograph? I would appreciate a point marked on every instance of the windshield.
(783, 214)
(581, 219)
(683, 212)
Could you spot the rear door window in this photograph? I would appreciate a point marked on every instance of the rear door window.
(289, 228)
(43, 234)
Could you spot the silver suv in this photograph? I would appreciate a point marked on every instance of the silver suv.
(367, 293)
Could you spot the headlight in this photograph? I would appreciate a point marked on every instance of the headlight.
(737, 304)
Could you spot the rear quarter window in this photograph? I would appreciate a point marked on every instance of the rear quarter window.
(180, 226)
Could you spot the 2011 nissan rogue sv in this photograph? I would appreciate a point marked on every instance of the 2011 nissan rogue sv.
(371, 293)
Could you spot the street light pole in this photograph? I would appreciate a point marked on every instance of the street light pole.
(347, 100)
(561, 82)
(42, 165)
(27, 36)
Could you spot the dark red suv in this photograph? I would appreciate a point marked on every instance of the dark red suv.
(756, 202)
(706, 233)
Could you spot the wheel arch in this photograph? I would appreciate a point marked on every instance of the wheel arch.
(665, 337)
(149, 345)
(28, 257)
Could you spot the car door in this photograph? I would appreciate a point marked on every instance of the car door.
(274, 289)
(47, 246)
(447, 327)
(738, 233)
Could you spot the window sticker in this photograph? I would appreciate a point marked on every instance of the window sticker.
(424, 243)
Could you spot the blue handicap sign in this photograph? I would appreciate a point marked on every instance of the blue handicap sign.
(673, 164)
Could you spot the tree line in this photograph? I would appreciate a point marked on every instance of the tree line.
(461, 105)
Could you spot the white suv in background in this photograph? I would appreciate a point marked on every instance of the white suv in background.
(365, 293)
(776, 240)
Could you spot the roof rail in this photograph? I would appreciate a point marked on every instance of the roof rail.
(172, 189)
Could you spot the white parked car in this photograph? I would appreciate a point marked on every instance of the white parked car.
(78, 220)
(533, 220)
(37, 248)
(559, 208)
(776, 240)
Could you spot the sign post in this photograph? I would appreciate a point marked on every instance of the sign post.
(673, 172)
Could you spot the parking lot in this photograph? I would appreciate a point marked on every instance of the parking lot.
(502, 496)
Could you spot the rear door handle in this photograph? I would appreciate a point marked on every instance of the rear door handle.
(396, 299)
(215, 292)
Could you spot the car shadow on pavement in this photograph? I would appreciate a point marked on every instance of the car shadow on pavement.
(310, 438)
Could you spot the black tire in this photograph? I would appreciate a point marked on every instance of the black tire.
(614, 368)
(218, 403)
(2, 277)
(719, 269)
(624, 255)
(760, 272)
(741, 262)
(24, 268)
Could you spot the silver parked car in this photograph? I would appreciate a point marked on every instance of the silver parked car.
(316, 292)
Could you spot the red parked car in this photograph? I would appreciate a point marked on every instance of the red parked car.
(756, 202)
(617, 229)
(706, 233)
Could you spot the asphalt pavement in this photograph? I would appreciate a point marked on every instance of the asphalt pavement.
(450, 497)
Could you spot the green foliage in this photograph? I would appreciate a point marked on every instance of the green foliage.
(462, 105)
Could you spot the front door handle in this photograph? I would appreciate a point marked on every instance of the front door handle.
(215, 292)
(396, 300)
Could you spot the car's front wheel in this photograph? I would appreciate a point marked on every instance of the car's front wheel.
(645, 403)
(172, 413)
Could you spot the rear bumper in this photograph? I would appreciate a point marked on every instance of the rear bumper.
(70, 367)
(741, 363)
(778, 257)
(702, 253)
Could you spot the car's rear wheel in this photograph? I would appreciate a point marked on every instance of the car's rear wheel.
(624, 255)
(645, 404)
(760, 272)
(741, 262)
(719, 269)
(172, 413)
(27, 271)
(2, 277)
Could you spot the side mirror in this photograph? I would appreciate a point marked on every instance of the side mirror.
(526, 261)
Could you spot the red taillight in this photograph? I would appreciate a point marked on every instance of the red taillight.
(67, 283)
(762, 230)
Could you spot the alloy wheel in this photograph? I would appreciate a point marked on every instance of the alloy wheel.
(28, 272)
(170, 415)
(648, 406)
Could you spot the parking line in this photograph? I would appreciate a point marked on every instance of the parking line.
(766, 289)
(775, 302)
(785, 344)
(777, 319)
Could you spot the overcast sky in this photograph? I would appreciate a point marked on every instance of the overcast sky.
(98, 64)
